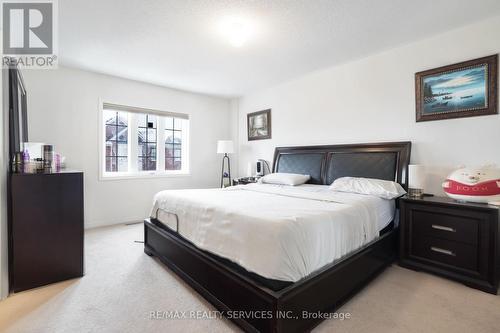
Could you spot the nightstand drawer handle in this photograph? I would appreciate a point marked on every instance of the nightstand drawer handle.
(442, 227)
(443, 251)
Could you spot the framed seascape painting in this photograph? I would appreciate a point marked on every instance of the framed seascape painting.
(466, 89)
(259, 125)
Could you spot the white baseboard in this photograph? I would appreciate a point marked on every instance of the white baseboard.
(98, 224)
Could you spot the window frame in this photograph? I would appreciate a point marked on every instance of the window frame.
(133, 172)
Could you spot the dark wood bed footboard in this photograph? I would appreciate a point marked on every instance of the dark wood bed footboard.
(265, 310)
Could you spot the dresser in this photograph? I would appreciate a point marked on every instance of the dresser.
(452, 239)
(45, 228)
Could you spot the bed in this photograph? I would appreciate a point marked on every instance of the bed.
(271, 254)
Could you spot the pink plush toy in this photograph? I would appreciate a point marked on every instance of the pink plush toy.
(474, 185)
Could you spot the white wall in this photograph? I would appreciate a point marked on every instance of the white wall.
(234, 135)
(373, 99)
(63, 110)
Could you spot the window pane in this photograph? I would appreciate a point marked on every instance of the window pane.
(122, 134)
(177, 137)
(177, 124)
(169, 137)
(141, 120)
(144, 149)
(177, 153)
(122, 119)
(169, 122)
(110, 148)
(151, 149)
(141, 149)
(169, 164)
(110, 164)
(169, 151)
(177, 164)
(122, 164)
(122, 149)
(110, 132)
(151, 135)
(151, 163)
(151, 121)
(109, 117)
(147, 164)
(140, 162)
(141, 134)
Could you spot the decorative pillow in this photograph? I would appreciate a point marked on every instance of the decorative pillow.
(284, 179)
(474, 184)
(380, 188)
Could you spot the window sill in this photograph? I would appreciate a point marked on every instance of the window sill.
(142, 175)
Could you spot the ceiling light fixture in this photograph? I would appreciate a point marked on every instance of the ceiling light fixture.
(236, 30)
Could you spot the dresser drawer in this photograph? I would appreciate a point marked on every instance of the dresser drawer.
(445, 224)
(441, 251)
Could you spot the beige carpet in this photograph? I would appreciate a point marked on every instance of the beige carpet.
(122, 286)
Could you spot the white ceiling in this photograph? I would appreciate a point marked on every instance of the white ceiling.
(175, 43)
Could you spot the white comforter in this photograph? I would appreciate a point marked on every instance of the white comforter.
(279, 232)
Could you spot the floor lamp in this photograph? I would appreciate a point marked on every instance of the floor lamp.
(225, 147)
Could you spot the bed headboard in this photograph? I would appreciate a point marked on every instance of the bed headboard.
(388, 161)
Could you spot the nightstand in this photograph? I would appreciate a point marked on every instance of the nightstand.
(452, 239)
(245, 180)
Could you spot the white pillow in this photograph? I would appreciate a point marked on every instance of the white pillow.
(381, 188)
(284, 179)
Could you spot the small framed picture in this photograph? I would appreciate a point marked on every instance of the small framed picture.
(259, 125)
(466, 89)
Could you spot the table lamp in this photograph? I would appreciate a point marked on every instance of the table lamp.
(225, 147)
(416, 180)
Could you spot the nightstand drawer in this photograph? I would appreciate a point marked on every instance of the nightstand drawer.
(441, 251)
(445, 225)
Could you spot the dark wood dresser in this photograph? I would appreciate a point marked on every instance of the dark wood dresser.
(45, 228)
(453, 239)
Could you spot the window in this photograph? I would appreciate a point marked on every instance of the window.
(143, 142)
(146, 140)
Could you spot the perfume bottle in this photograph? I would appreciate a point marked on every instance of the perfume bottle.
(57, 162)
(26, 161)
(48, 156)
(17, 162)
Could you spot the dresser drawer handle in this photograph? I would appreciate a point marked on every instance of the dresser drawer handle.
(442, 227)
(443, 251)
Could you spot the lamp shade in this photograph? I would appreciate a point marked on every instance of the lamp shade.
(225, 147)
(416, 176)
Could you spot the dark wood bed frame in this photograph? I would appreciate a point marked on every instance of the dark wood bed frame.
(255, 308)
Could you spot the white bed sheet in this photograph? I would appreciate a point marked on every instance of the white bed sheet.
(277, 231)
